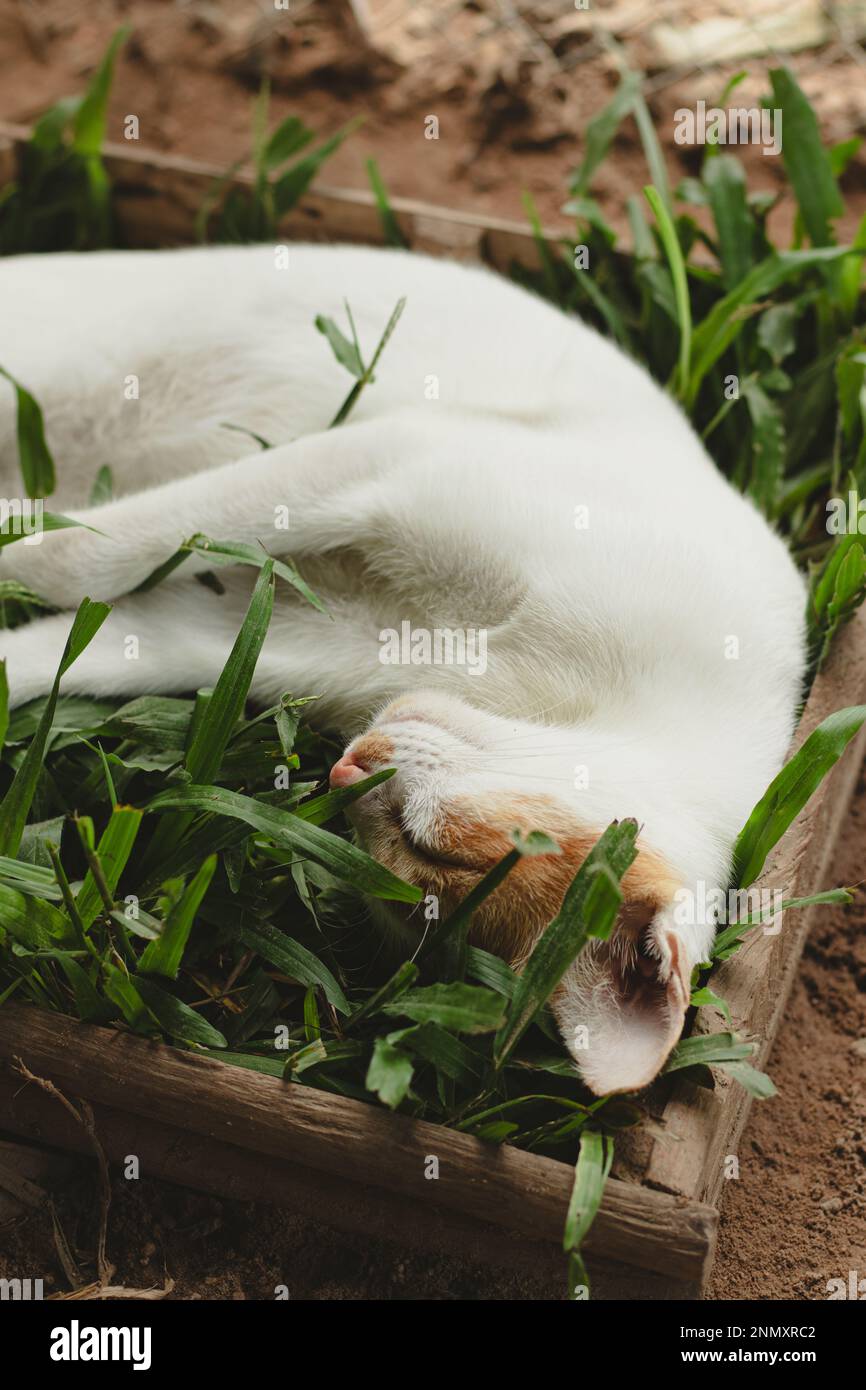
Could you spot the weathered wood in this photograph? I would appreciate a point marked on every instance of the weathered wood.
(225, 1170)
(191, 1160)
(26, 1175)
(701, 1128)
(348, 1139)
(157, 198)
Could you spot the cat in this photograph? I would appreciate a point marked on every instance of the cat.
(547, 608)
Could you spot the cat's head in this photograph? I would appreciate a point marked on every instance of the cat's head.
(465, 780)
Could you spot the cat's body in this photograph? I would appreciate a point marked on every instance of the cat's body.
(509, 476)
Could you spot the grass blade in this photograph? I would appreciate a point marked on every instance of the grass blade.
(292, 185)
(757, 1083)
(768, 446)
(289, 831)
(320, 809)
(11, 530)
(294, 960)
(16, 803)
(725, 321)
(4, 704)
(112, 853)
(788, 793)
(387, 216)
(806, 161)
(590, 1175)
(34, 456)
(33, 922)
(463, 1008)
(588, 909)
(708, 1050)
(399, 982)
(726, 185)
(601, 130)
(455, 927)
(88, 127)
(389, 1074)
(290, 137)
(457, 924)
(226, 705)
(671, 244)
(163, 956)
(237, 553)
(349, 355)
(219, 716)
(177, 1018)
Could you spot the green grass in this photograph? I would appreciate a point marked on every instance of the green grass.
(61, 197)
(175, 867)
(281, 176)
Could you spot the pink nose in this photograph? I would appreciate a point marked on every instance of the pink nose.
(347, 771)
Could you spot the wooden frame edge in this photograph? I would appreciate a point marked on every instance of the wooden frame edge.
(157, 197)
(701, 1128)
(347, 1139)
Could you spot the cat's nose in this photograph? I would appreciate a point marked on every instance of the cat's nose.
(372, 750)
(346, 771)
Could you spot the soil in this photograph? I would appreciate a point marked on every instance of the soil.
(513, 96)
(796, 1216)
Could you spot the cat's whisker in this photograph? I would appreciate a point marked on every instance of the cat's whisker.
(536, 714)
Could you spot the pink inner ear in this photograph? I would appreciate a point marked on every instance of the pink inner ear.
(631, 1019)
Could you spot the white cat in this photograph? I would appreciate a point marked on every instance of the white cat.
(603, 626)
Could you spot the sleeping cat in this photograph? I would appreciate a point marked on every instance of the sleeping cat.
(547, 608)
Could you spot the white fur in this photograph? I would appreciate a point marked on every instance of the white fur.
(606, 645)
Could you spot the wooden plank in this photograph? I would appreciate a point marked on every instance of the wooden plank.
(27, 1174)
(350, 1140)
(157, 197)
(701, 1128)
(225, 1170)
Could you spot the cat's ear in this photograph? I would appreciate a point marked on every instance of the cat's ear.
(623, 1004)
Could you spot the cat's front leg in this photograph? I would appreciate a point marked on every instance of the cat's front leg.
(168, 642)
(67, 565)
(289, 499)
